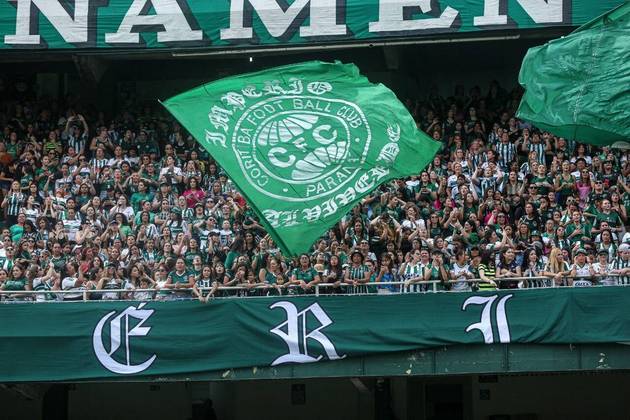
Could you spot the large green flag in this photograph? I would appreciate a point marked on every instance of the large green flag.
(578, 86)
(304, 143)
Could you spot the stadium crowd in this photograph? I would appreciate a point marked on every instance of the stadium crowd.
(94, 204)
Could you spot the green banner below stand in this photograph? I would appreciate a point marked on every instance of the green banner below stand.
(127, 340)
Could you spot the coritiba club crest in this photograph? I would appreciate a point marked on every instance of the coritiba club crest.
(309, 144)
(297, 142)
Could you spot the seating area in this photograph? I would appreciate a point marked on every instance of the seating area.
(130, 206)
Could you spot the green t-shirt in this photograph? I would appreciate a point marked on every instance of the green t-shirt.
(435, 275)
(308, 275)
(612, 218)
(189, 256)
(566, 185)
(571, 227)
(179, 278)
(16, 232)
(542, 189)
(17, 284)
(138, 197)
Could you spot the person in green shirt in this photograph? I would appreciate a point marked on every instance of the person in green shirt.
(18, 229)
(437, 270)
(577, 230)
(357, 273)
(192, 251)
(196, 266)
(272, 275)
(305, 275)
(140, 196)
(16, 282)
(542, 181)
(180, 278)
(607, 215)
(564, 184)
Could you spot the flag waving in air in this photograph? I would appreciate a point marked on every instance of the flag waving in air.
(578, 86)
(304, 143)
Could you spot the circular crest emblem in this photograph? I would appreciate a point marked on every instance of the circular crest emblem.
(300, 148)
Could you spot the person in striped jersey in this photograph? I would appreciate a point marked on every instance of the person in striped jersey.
(487, 271)
(46, 282)
(475, 155)
(73, 135)
(602, 268)
(506, 152)
(99, 161)
(12, 203)
(621, 265)
(413, 272)
(357, 273)
(535, 144)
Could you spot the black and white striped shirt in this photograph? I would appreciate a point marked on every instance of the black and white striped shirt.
(619, 264)
(77, 143)
(539, 148)
(14, 203)
(98, 164)
(506, 153)
(476, 160)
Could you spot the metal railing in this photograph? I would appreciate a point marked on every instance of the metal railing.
(392, 287)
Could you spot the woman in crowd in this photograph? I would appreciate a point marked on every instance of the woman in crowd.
(357, 274)
(533, 269)
(304, 276)
(460, 272)
(557, 268)
(508, 267)
(487, 271)
(273, 276)
(334, 274)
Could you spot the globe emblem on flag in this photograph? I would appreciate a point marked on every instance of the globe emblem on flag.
(300, 148)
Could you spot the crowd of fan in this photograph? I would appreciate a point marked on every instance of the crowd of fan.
(94, 205)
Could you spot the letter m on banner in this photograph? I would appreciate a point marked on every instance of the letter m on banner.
(297, 334)
(281, 21)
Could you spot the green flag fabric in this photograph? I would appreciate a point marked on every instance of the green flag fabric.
(304, 143)
(578, 86)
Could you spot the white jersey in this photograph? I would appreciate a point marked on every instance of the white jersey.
(43, 285)
(459, 273)
(413, 271)
(418, 223)
(68, 284)
(580, 271)
(604, 269)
